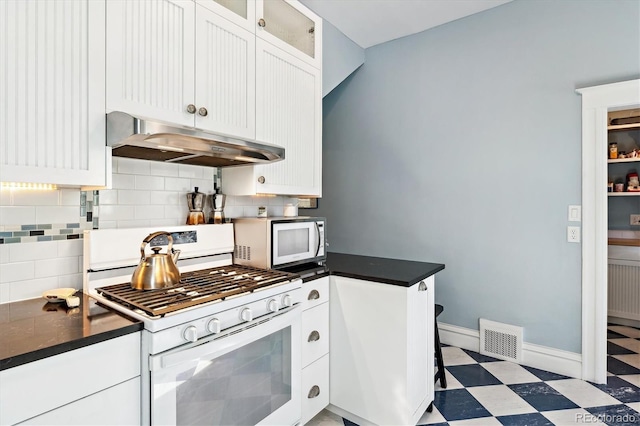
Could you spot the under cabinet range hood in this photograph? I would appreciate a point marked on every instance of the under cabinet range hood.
(145, 139)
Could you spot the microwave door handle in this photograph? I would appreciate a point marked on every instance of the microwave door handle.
(318, 233)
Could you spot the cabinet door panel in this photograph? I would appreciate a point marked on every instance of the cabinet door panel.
(225, 74)
(150, 58)
(288, 111)
(52, 74)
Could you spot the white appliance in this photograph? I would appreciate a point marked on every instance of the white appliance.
(223, 347)
(279, 242)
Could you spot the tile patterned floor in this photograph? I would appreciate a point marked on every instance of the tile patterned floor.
(486, 391)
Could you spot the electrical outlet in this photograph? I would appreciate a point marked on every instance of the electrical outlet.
(573, 234)
(635, 219)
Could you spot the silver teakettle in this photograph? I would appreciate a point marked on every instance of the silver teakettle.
(157, 270)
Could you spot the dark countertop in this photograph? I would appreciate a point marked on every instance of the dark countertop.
(377, 269)
(35, 329)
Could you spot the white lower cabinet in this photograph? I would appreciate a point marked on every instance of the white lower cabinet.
(123, 399)
(382, 350)
(315, 348)
(97, 384)
(315, 385)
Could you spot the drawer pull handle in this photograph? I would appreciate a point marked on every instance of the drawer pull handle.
(313, 295)
(314, 336)
(314, 392)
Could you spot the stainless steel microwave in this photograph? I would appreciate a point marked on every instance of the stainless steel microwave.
(278, 242)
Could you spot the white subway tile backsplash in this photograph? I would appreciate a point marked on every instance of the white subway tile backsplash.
(155, 183)
(18, 271)
(69, 197)
(172, 212)
(73, 281)
(108, 196)
(164, 169)
(132, 197)
(4, 253)
(25, 252)
(5, 197)
(131, 166)
(178, 184)
(165, 197)
(21, 290)
(148, 212)
(56, 267)
(36, 198)
(116, 212)
(5, 292)
(17, 215)
(166, 222)
(251, 211)
(233, 211)
(108, 224)
(61, 214)
(123, 181)
(142, 223)
(68, 248)
(204, 185)
(195, 172)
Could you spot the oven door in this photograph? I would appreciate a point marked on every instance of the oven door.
(244, 377)
(294, 242)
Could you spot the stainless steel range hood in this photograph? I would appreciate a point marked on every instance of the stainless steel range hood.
(144, 139)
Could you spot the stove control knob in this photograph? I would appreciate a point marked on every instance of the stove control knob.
(246, 314)
(214, 326)
(287, 301)
(190, 334)
(272, 305)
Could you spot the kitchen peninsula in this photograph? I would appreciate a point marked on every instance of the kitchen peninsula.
(381, 317)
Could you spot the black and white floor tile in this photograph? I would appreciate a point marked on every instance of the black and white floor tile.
(486, 391)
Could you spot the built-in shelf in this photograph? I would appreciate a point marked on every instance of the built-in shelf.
(615, 127)
(623, 194)
(624, 160)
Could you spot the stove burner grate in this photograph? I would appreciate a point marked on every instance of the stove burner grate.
(196, 288)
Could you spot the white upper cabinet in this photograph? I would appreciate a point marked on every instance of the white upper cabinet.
(179, 62)
(151, 59)
(52, 69)
(240, 68)
(291, 27)
(225, 76)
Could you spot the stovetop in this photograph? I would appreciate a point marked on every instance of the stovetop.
(196, 288)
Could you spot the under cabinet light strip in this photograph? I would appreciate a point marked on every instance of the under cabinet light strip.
(29, 186)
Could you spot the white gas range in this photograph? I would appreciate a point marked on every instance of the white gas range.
(222, 347)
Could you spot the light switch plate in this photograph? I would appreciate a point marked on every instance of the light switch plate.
(575, 213)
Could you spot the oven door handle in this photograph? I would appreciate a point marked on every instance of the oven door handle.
(230, 339)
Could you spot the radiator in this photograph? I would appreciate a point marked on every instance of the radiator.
(624, 290)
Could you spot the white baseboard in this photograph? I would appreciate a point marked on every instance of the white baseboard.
(549, 359)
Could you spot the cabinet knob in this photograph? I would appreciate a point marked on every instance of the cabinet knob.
(314, 392)
(203, 112)
(261, 179)
(314, 336)
(313, 295)
(422, 286)
(191, 109)
(262, 23)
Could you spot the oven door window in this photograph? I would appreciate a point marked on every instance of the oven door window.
(243, 386)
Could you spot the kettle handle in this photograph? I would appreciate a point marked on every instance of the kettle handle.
(150, 237)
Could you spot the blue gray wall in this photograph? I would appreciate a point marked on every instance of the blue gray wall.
(462, 145)
(340, 57)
